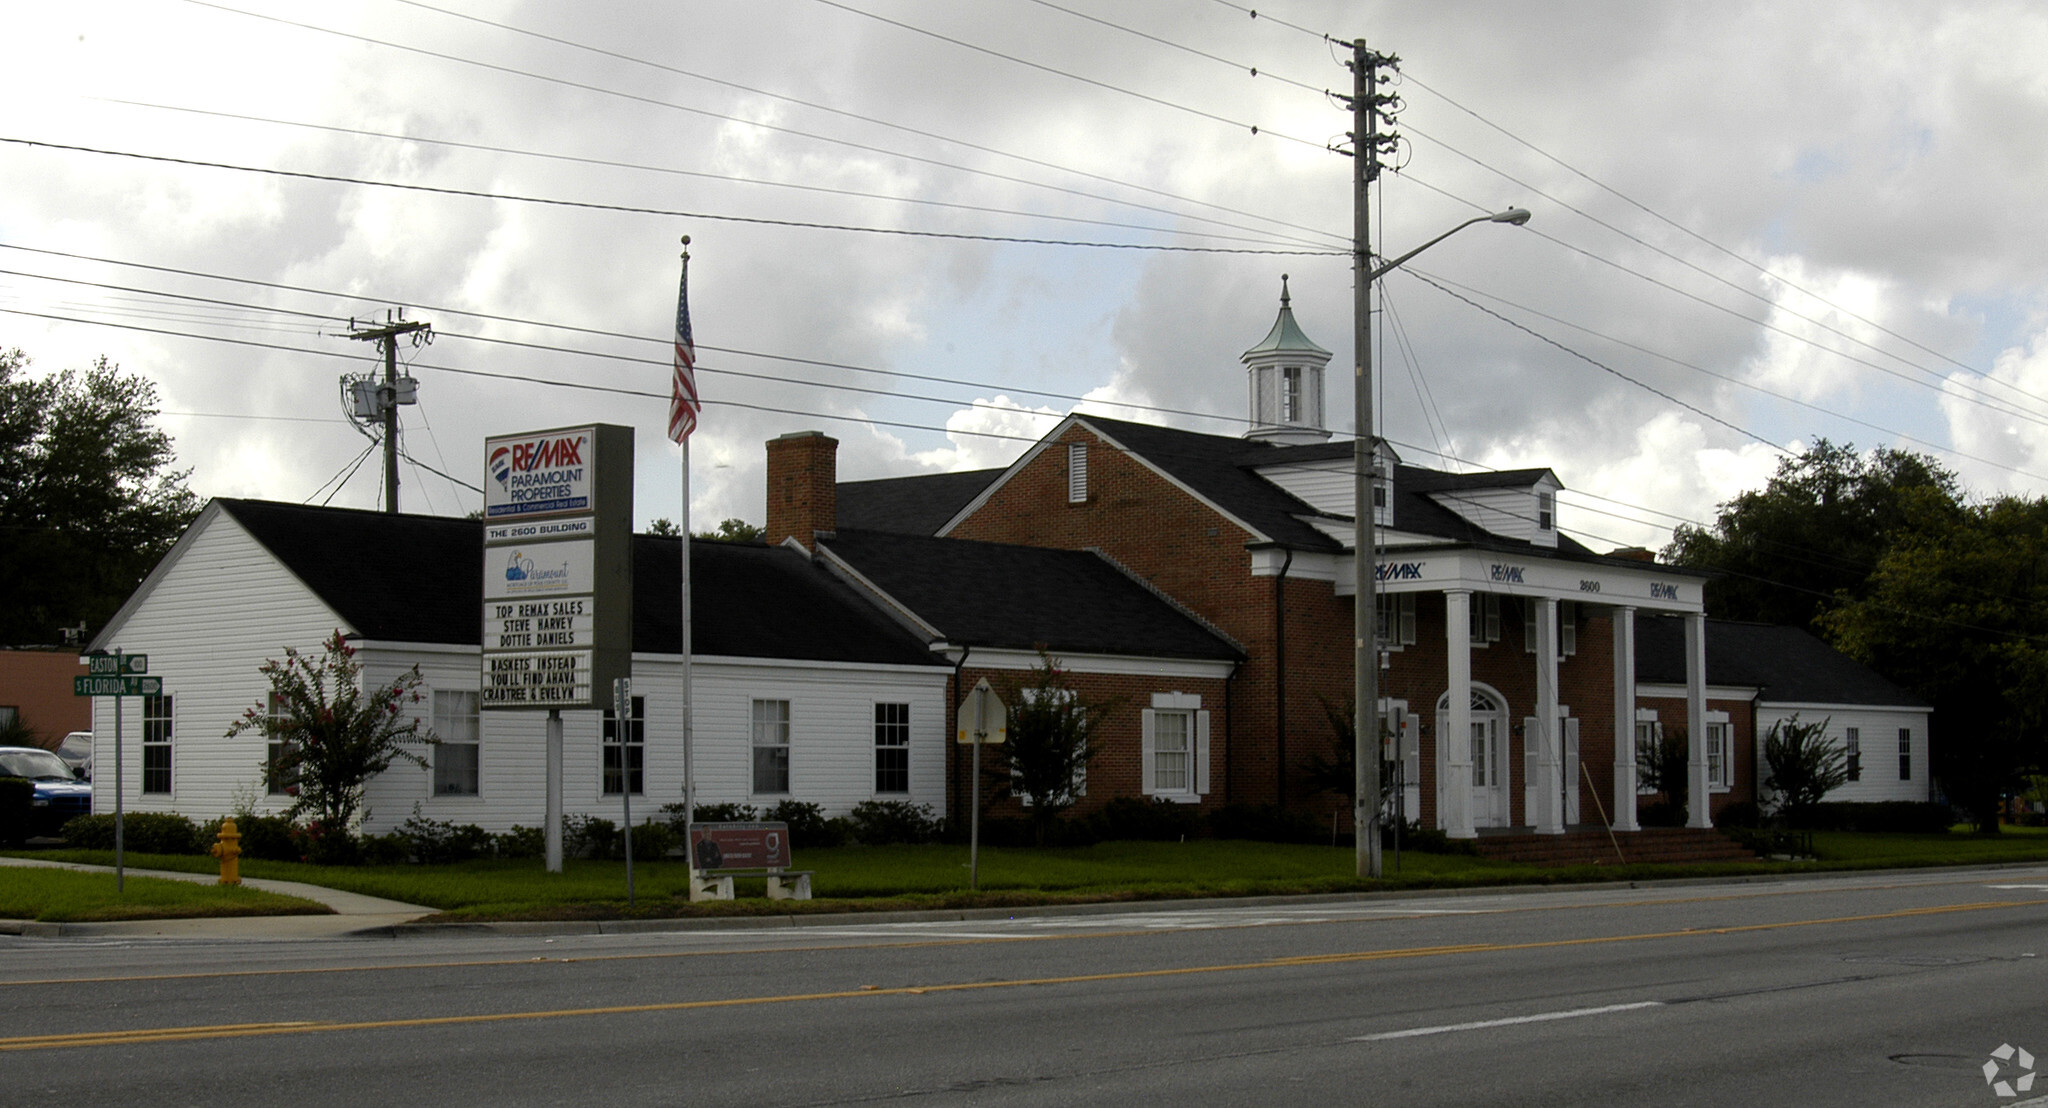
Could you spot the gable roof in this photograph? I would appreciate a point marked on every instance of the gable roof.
(412, 578)
(1785, 664)
(1023, 597)
(910, 505)
(1218, 468)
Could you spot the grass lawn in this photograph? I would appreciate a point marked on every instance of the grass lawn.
(935, 876)
(68, 896)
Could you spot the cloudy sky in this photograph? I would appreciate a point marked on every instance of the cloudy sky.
(1755, 224)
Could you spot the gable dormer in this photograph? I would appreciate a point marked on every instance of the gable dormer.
(1521, 504)
(1286, 378)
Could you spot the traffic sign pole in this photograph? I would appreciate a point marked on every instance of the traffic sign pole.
(120, 845)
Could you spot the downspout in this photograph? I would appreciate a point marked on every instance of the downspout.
(953, 708)
(1280, 678)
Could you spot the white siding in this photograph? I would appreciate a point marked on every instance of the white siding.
(1507, 512)
(1879, 729)
(1325, 486)
(831, 711)
(219, 611)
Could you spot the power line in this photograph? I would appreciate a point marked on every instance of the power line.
(652, 101)
(1253, 70)
(844, 113)
(639, 210)
(1169, 104)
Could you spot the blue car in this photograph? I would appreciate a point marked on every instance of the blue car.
(59, 794)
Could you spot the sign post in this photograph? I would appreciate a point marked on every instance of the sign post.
(557, 579)
(622, 720)
(983, 720)
(118, 675)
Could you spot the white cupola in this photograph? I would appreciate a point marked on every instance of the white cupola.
(1287, 383)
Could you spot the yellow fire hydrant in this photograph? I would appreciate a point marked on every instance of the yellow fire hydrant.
(229, 851)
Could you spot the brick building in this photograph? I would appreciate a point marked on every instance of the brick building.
(1496, 626)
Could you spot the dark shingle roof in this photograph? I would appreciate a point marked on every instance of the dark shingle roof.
(910, 505)
(408, 578)
(1219, 468)
(999, 595)
(1787, 664)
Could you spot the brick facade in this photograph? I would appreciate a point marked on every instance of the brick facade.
(803, 486)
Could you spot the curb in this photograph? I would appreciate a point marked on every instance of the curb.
(1098, 908)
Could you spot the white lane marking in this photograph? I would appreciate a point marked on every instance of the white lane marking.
(2035, 887)
(1480, 1025)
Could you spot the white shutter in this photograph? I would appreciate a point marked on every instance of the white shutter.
(1202, 753)
(1407, 619)
(1567, 628)
(1492, 618)
(1571, 769)
(1530, 743)
(1148, 730)
(1529, 626)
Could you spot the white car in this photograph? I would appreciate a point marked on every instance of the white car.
(76, 750)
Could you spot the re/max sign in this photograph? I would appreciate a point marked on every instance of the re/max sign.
(1398, 571)
(1506, 574)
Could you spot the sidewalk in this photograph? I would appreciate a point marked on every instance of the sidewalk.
(353, 912)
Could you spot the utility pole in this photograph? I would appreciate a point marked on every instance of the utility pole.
(1366, 142)
(390, 396)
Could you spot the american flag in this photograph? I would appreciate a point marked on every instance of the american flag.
(684, 404)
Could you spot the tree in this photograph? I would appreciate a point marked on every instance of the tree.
(331, 734)
(1664, 760)
(1957, 611)
(1338, 773)
(732, 529)
(1814, 531)
(1052, 739)
(1802, 767)
(88, 503)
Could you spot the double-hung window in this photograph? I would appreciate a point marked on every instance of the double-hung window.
(1396, 620)
(1290, 394)
(1485, 618)
(276, 781)
(156, 744)
(771, 747)
(1905, 754)
(1852, 748)
(1175, 748)
(457, 767)
(1567, 627)
(1720, 751)
(625, 754)
(1649, 733)
(892, 748)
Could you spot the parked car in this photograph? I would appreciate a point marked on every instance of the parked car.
(76, 750)
(59, 794)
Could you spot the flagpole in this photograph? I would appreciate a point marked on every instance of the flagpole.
(689, 690)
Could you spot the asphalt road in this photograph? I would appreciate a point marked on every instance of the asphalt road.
(1889, 989)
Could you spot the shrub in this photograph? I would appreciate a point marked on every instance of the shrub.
(883, 822)
(17, 798)
(1428, 840)
(521, 842)
(808, 826)
(143, 832)
(273, 838)
(1742, 813)
(390, 849)
(435, 842)
(710, 813)
(652, 841)
(329, 846)
(1129, 818)
(1918, 817)
(589, 837)
(1803, 767)
(1661, 813)
(1266, 823)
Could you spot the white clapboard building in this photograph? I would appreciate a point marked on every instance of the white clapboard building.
(805, 691)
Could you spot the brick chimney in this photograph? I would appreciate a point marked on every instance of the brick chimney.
(803, 486)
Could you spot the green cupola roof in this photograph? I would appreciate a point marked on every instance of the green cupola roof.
(1286, 335)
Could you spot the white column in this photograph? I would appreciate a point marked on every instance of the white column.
(1698, 801)
(1625, 720)
(1454, 737)
(1549, 814)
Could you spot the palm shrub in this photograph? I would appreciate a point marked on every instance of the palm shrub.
(1802, 767)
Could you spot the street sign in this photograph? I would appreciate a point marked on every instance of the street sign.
(983, 713)
(117, 686)
(115, 665)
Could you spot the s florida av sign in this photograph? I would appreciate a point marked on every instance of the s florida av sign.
(558, 567)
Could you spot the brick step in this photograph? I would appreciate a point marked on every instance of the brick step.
(1659, 845)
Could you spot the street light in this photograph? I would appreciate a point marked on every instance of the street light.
(1365, 723)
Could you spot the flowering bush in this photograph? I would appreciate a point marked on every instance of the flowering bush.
(333, 735)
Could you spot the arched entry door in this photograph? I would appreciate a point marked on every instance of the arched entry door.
(1488, 744)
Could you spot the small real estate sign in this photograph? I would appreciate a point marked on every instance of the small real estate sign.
(558, 567)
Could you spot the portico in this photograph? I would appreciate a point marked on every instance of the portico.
(1558, 599)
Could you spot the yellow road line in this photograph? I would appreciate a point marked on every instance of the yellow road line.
(817, 948)
(235, 1031)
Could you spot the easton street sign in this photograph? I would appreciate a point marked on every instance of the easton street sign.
(116, 665)
(117, 686)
